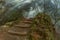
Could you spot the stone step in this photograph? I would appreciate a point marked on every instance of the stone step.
(23, 25)
(18, 31)
(29, 21)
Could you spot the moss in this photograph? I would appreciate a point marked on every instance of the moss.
(42, 25)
